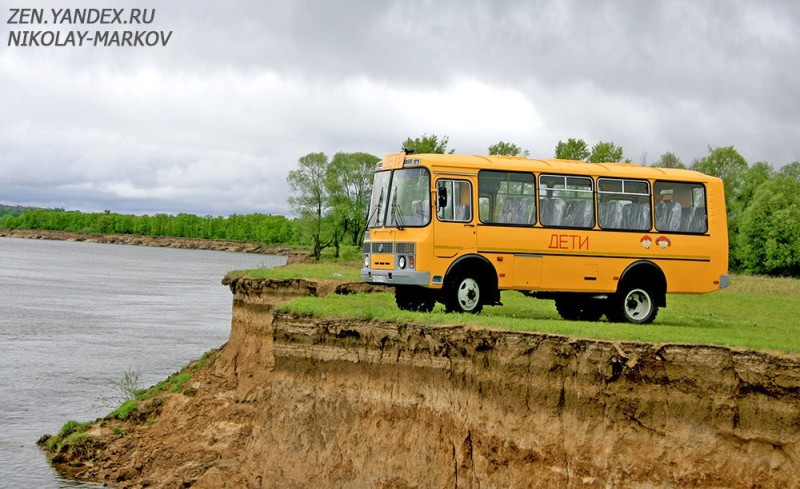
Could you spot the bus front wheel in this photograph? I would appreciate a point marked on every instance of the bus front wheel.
(463, 295)
(633, 305)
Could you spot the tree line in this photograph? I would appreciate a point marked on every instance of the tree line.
(253, 228)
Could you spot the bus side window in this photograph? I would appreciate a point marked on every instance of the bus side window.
(566, 201)
(507, 197)
(680, 207)
(454, 200)
(624, 204)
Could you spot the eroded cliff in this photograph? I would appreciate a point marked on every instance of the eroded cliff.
(310, 402)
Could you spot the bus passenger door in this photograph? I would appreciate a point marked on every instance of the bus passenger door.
(454, 229)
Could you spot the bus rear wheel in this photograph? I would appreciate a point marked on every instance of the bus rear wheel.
(633, 304)
(463, 295)
(410, 298)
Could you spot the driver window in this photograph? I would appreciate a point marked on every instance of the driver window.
(458, 203)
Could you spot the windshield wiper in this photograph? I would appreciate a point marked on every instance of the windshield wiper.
(372, 215)
(375, 209)
(397, 216)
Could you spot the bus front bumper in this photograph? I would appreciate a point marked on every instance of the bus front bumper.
(396, 277)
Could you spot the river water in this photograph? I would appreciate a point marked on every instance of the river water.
(75, 317)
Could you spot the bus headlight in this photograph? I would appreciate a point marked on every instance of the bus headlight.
(366, 261)
(401, 262)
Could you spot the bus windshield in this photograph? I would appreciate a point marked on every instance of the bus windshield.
(400, 198)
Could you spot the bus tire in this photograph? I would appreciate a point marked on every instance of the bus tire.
(632, 304)
(464, 294)
(574, 308)
(417, 299)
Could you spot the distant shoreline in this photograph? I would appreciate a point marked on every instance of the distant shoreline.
(295, 254)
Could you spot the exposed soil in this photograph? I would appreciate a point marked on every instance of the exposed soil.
(308, 402)
(295, 255)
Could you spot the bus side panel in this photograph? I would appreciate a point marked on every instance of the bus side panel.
(581, 261)
(565, 273)
(512, 250)
(684, 277)
(570, 262)
(504, 265)
(527, 274)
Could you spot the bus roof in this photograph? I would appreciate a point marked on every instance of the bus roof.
(521, 163)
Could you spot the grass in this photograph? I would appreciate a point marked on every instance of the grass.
(175, 383)
(342, 270)
(754, 312)
(126, 409)
(71, 438)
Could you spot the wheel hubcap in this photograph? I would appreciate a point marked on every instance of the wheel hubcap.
(637, 304)
(468, 294)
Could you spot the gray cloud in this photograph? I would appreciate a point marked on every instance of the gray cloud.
(213, 122)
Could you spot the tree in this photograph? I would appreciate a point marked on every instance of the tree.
(606, 152)
(507, 149)
(427, 144)
(309, 197)
(727, 164)
(792, 169)
(753, 178)
(573, 149)
(669, 160)
(769, 233)
(349, 183)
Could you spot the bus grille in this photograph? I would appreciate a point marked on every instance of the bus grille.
(405, 248)
(379, 247)
(389, 247)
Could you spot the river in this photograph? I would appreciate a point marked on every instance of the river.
(75, 317)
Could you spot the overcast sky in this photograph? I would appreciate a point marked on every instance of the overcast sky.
(212, 122)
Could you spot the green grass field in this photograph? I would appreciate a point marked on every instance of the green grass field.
(348, 272)
(754, 312)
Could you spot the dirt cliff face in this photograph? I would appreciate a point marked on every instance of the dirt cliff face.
(309, 402)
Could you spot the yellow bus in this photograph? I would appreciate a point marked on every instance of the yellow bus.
(598, 238)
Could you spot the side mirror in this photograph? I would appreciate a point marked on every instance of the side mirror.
(442, 200)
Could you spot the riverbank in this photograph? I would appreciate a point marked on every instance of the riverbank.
(299, 401)
(294, 254)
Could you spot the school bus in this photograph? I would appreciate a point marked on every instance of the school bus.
(600, 239)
